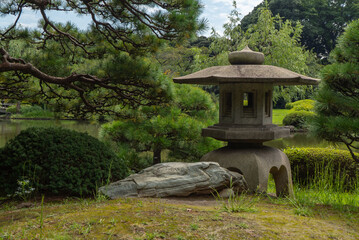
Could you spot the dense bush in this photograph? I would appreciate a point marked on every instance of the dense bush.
(31, 111)
(25, 108)
(58, 161)
(11, 109)
(306, 163)
(297, 118)
(172, 131)
(300, 112)
(301, 105)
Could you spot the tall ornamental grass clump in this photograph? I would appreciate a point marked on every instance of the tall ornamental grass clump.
(328, 188)
(336, 164)
(58, 161)
(325, 176)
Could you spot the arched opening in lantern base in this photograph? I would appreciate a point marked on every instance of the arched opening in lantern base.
(255, 163)
(280, 178)
(271, 185)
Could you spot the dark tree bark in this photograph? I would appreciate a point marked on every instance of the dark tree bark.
(157, 155)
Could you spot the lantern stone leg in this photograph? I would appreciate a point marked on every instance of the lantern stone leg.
(245, 118)
(256, 164)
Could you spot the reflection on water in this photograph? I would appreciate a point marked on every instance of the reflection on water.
(302, 140)
(10, 128)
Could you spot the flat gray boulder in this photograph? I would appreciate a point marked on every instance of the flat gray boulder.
(176, 179)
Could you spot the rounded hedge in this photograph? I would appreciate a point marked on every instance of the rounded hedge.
(301, 105)
(58, 161)
(297, 118)
(306, 162)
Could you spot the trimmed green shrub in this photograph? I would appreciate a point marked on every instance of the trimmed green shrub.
(297, 118)
(307, 162)
(30, 108)
(11, 109)
(31, 111)
(301, 105)
(25, 108)
(58, 161)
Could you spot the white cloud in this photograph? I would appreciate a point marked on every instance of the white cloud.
(227, 2)
(217, 11)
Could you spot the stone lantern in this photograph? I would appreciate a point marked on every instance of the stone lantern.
(245, 118)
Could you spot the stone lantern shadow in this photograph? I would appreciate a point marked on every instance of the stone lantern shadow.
(245, 118)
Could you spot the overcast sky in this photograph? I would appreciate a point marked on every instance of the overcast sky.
(215, 11)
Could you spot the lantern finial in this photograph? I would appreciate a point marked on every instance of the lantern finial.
(246, 56)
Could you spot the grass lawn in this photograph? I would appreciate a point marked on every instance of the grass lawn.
(174, 218)
(278, 115)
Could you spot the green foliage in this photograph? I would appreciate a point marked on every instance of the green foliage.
(180, 59)
(24, 189)
(323, 20)
(57, 161)
(337, 105)
(279, 41)
(237, 201)
(93, 70)
(176, 127)
(300, 209)
(329, 185)
(31, 111)
(11, 109)
(300, 113)
(280, 45)
(310, 164)
(298, 119)
(301, 105)
(30, 108)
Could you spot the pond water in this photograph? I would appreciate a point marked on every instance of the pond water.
(302, 140)
(10, 128)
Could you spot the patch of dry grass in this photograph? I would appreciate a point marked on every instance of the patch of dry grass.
(184, 218)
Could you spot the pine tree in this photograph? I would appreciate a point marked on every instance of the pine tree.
(337, 104)
(175, 127)
(97, 68)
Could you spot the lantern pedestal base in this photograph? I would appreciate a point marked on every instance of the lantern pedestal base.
(256, 162)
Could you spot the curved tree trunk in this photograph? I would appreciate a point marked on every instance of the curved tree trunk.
(18, 107)
(157, 155)
(355, 158)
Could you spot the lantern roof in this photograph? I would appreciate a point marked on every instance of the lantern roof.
(246, 67)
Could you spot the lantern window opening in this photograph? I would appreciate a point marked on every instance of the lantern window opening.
(267, 103)
(227, 104)
(248, 105)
